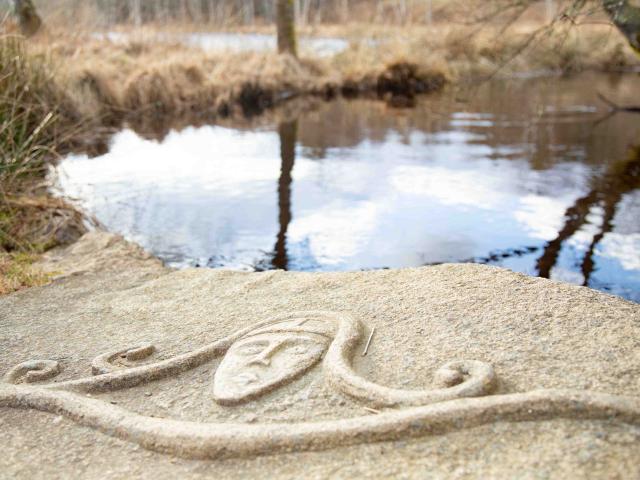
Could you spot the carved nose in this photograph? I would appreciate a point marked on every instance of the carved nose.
(264, 358)
(261, 361)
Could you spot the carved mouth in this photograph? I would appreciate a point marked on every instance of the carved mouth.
(246, 378)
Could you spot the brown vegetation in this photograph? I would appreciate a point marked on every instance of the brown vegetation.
(145, 81)
(17, 272)
(36, 118)
(28, 18)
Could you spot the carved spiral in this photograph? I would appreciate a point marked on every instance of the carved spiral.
(33, 371)
(458, 379)
(103, 364)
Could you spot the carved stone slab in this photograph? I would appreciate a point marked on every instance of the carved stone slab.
(489, 372)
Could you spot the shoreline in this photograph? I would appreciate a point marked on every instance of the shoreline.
(101, 87)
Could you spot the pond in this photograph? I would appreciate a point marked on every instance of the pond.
(525, 174)
(235, 42)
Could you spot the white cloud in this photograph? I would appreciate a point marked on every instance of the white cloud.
(337, 231)
(624, 248)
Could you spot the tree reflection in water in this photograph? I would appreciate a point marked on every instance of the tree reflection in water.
(606, 192)
(288, 134)
(494, 180)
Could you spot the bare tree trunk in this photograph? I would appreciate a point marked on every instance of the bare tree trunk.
(219, 13)
(429, 14)
(286, 27)
(187, 13)
(318, 14)
(345, 11)
(304, 11)
(269, 12)
(136, 7)
(149, 11)
(28, 18)
(379, 11)
(248, 12)
(121, 11)
(401, 10)
(174, 9)
(205, 10)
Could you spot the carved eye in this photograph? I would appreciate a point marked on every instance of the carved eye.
(251, 349)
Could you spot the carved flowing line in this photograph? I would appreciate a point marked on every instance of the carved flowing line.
(429, 412)
(220, 440)
(466, 378)
(459, 379)
(132, 377)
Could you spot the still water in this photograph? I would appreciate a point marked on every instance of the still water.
(527, 175)
(234, 42)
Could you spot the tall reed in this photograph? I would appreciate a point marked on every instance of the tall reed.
(29, 112)
(35, 119)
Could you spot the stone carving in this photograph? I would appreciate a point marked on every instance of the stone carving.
(105, 363)
(266, 356)
(33, 371)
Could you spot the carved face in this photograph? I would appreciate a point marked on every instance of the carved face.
(263, 362)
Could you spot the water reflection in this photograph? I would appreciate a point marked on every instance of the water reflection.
(606, 193)
(519, 175)
(288, 134)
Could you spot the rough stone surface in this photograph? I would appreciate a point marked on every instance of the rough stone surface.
(110, 297)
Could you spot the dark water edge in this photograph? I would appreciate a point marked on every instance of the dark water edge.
(528, 174)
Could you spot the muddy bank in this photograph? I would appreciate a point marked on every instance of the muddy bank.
(183, 95)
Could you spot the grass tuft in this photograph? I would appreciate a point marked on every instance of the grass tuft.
(18, 272)
(36, 117)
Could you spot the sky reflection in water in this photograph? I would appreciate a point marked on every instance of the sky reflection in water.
(518, 176)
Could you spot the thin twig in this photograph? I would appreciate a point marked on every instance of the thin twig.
(372, 410)
(608, 102)
(366, 348)
(617, 108)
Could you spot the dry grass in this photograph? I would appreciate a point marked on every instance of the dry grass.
(35, 222)
(470, 52)
(18, 272)
(146, 81)
(30, 107)
(36, 117)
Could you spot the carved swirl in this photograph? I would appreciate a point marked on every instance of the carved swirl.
(472, 378)
(33, 371)
(103, 364)
(445, 407)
